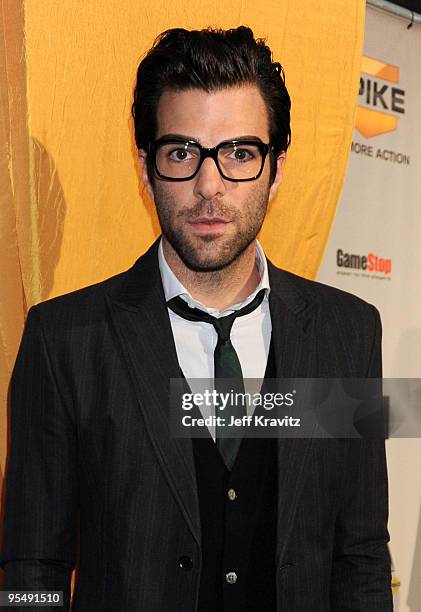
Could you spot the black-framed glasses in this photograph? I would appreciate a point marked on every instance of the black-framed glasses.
(237, 160)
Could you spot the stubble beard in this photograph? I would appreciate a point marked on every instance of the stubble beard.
(211, 252)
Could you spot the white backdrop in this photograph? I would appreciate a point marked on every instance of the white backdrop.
(374, 251)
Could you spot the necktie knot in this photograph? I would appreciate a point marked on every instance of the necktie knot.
(222, 325)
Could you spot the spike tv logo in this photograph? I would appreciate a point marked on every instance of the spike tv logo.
(381, 100)
(381, 104)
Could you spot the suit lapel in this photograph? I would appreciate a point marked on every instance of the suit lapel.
(293, 320)
(140, 320)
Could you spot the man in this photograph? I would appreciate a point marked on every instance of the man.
(176, 524)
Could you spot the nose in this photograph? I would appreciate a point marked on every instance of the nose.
(208, 181)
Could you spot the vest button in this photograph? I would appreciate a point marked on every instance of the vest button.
(185, 562)
(231, 577)
(231, 494)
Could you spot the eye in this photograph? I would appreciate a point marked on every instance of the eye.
(242, 154)
(180, 154)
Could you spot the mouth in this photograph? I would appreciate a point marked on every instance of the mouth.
(208, 224)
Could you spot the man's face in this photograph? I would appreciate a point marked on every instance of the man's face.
(208, 220)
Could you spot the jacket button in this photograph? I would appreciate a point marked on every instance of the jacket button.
(185, 562)
(231, 577)
(232, 494)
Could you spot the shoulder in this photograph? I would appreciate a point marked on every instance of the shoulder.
(348, 329)
(87, 303)
(329, 300)
(90, 301)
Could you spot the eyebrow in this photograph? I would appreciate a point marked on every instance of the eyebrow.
(196, 139)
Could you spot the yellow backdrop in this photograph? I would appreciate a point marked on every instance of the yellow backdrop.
(72, 211)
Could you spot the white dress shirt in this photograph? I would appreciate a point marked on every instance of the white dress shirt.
(195, 341)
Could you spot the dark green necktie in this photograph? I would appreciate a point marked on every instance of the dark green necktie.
(226, 366)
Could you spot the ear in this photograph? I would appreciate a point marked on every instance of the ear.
(279, 175)
(144, 173)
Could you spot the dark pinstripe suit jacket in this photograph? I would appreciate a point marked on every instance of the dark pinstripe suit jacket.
(93, 473)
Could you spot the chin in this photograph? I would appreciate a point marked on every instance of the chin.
(198, 260)
(209, 253)
(205, 266)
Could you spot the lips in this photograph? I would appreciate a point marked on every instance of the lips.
(208, 225)
(208, 221)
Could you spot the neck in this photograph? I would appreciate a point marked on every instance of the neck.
(222, 288)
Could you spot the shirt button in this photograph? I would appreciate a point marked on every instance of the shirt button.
(231, 577)
(231, 494)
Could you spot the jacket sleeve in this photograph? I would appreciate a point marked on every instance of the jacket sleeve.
(361, 574)
(41, 501)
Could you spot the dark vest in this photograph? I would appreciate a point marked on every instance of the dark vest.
(238, 519)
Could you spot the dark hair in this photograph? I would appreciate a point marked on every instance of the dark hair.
(210, 59)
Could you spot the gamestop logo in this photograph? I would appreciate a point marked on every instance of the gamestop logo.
(368, 265)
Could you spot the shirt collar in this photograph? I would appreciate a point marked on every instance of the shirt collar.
(173, 287)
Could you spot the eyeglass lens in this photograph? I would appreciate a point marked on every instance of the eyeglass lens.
(181, 160)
